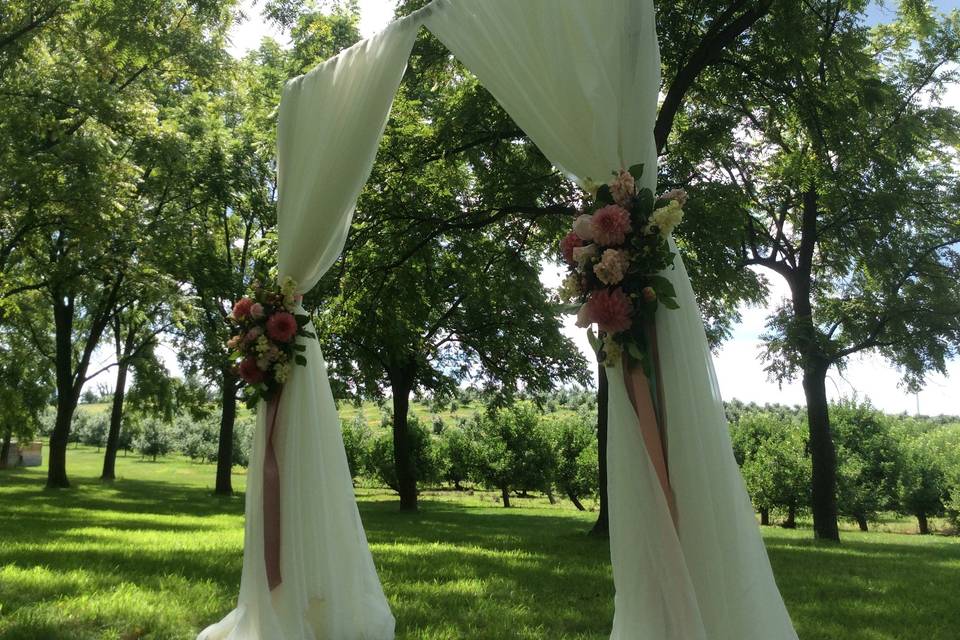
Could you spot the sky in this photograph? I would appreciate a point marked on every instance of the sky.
(739, 370)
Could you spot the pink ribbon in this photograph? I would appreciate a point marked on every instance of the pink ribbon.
(271, 499)
(652, 426)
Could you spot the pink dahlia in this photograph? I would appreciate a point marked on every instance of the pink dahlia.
(241, 308)
(282, 327)
(610, 310)
(611, 225)
(570, 242)
(250, 372)
(676, 194)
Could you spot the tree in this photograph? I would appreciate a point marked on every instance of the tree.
(155, 439)
(771, 451)
(425, 454)
(837, 157)
(439, 281)
(78, 109)
(575, 444)
(25, 382)
(229, 217)
(869, 460)
(513, 450)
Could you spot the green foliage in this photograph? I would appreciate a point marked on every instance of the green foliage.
(156, 438)
(869, 460)
(357, 442)
(513, 449)
(574, 439)
(425, 454)
(772, 454)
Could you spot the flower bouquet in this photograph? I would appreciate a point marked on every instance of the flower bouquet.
(264, 345)
(615, 251)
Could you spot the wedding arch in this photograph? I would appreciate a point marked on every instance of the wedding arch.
(581, 78)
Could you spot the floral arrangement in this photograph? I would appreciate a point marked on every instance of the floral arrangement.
(614, 252)
(264, 345)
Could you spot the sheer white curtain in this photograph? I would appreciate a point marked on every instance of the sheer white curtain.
(331, 121)
(581, 79)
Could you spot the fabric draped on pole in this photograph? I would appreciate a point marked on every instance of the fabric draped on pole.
(581, 79)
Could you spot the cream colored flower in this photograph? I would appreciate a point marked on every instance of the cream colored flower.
(570, 287)
(612, 350)
(666, 218)
(582, 255)
(282, 373)
(613, 266)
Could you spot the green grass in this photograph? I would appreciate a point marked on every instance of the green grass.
(157, 556)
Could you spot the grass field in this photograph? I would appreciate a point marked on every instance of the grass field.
(157, 556)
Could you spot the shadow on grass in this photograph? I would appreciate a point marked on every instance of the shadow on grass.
(174, 552)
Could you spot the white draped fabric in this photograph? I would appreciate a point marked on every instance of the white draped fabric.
(581, 79)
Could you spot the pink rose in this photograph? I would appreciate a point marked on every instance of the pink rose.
(583, 227)
(610, 310)
(581, 255)
(611, 225)
(282, 327)
(250, 372)
(253, 334)
(241, 309)
(568, 244)
(256, 311)
(623, 187)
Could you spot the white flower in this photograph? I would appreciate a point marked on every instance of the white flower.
(583, 254)
(666, 218)
(570, 287)
(263, 364)
(613, 351)
(288, 287)
(613, 266)
(583, 227)
(623, 187)
(263, 345)
(281, 373)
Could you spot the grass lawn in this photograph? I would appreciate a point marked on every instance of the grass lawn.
(157, 556)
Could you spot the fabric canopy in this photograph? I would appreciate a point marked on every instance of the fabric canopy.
(581, 79)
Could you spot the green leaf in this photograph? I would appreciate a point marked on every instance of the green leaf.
(594, 340)
(670, 303)
(301, 360)
(299, 347)
(663, 287)
(572, 309)
(645, 200)
(636, 171)
(604, 196)
(302, 320)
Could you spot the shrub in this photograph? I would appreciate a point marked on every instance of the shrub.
(357, 441)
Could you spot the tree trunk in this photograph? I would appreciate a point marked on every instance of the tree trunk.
(5, 448)
(823, 456)
(116, 417)
(861, 521)
(550, 495)
(602, 526)
(505, 493)
(228, 399)
(68, 393)
(576, 502)
(922, 521)
(765, 517)
(791, 521)
(401, 384)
